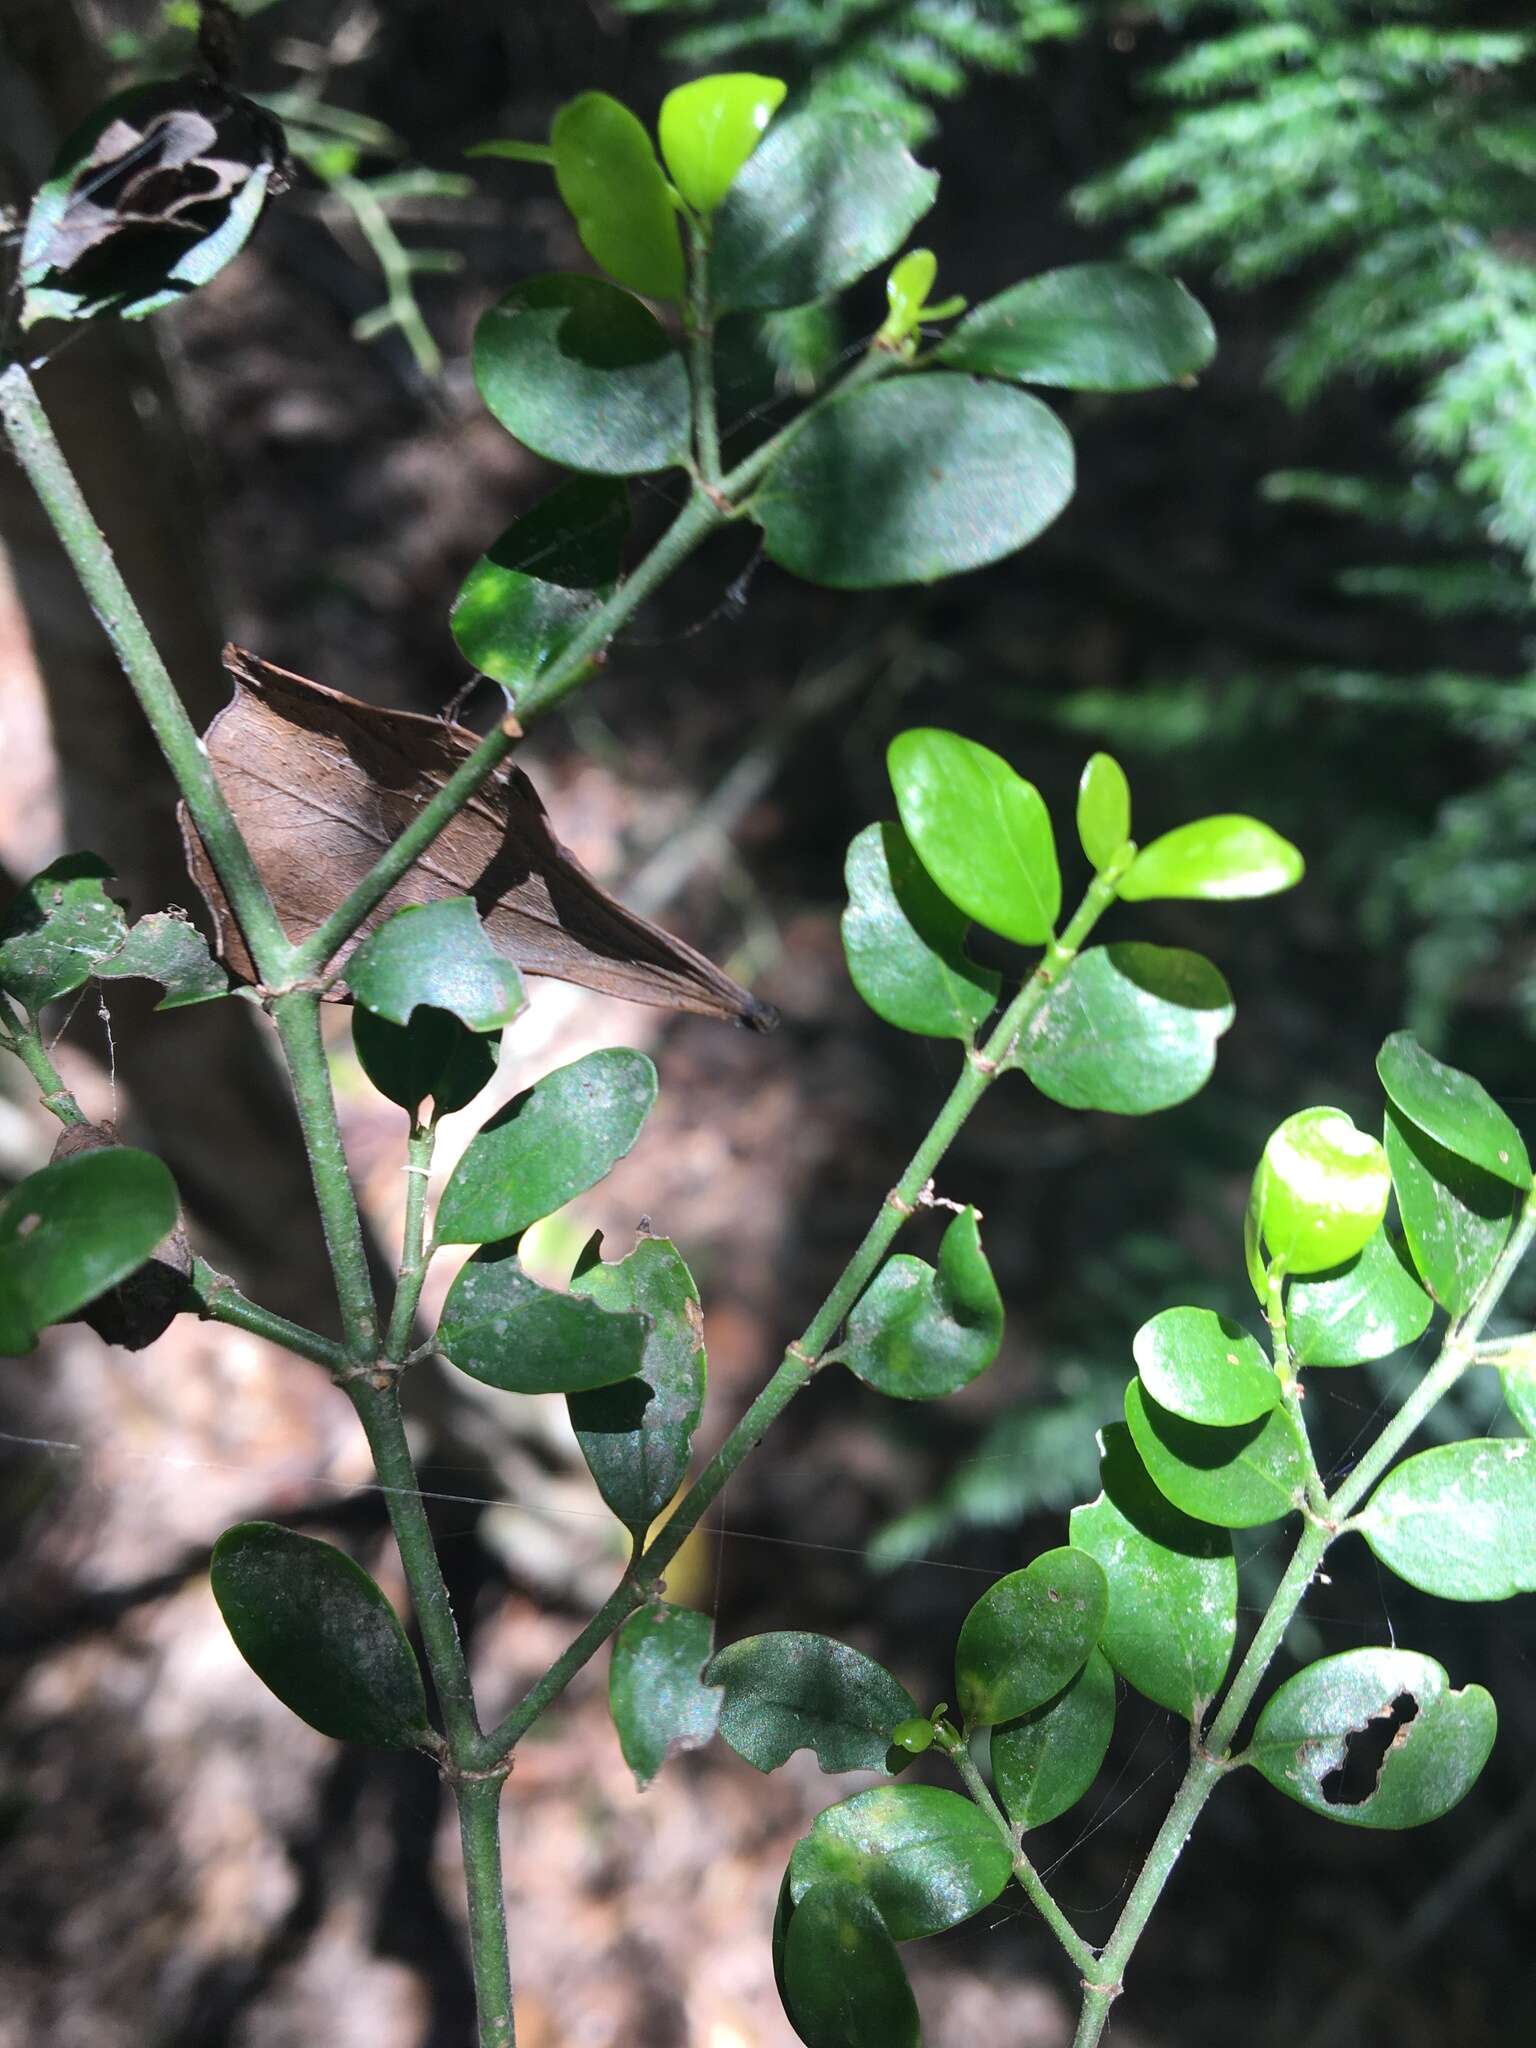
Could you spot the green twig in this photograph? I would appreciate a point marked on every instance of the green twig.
(414, 1255)
(217, 1299)
(21, 1036)
(701, 357)
(479, 1803)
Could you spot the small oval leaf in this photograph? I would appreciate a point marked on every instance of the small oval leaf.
(1320, 1191)
(708, 128)
(982, 832)
(524, 601)
(1028, 1636)
(1088, 327)
(843, 1983)
(437, 955)
(1456, 1217)
(1236, 1478)
(1103, 809)
(789, 1691)
(608, 176)
(1368, 1307)
(1456, 1111)
(659, 1702)
(1459, 1521)
(1205, 1368)
(1130, 1028)
(1043, 1763)
(918, 1333)
(905, 943)
(927, 1858)
(505, 1330)
(1223, 859)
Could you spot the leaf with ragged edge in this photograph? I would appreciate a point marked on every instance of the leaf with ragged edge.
(1204, 1367)
(823, 199)
(318, 1632)
(60, 926)
(582, 372)
(1130, 1028)
(1369, 1307)
(708, 128)
(1301, 1738)
(1456, 1217)
(436, 955)
(1044, 1762)
(789, 1691)
(1172, 1617)
(912, 480)
(1452, 1108)
(72, 1231)
(1028, 1636)
(433, 1056)
(918, 1333)
(163, 947)
(905, 943)
(1320, 1191)
(525, 600)
(843, 1985)
(1088, 327)
(1237, 1478)
(1223, 859)
(927, 1858)
(636, 1436)
(659, 1703)
(1103, 809)
(608, 176)
(982, 832)
(505, 1330)
(1459, 1521)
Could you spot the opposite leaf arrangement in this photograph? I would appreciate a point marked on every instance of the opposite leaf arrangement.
(925, 458)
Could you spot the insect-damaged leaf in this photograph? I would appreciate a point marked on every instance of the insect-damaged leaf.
(321, 783)
(658, 1700)
(787, 1691)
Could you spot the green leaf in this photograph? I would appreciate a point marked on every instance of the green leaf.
(1519, 1384)
(1103, 810)
(1028, 1636)
(1369, 1307)
(1320, 1191)
(912, 480)
(74, 1230)
(57, 929)
(434, 1055)
(918, 1334)
(1205, 1367)
(505, 1330)
(660, 1704)
(1172, 1584)
(318, 1632)
(1459, 1521)
(824, 198)
(1222, 859)
(1456, 1217)
(164, 947)
(1237, 1478)
(789, 1691)
(1130, 1028)
(436, 955)
(708, 128)
(1432, 1761)
(523, 602)
(927, 1858)
(608, 176)
(1043, 1763)
(1452, 1108)
(906, 293)
(981, 831)
(905, 943)
(583, 373)
(550, 1144)
(1089, 327)
(636, 1436)
(843, 1983)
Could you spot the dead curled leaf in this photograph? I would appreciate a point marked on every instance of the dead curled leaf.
(321, 783)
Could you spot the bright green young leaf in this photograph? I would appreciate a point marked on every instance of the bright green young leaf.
(912, 480)
(1131, 1028)
(1369, 1307)
(1452, 1108)
(905, 943)
(57, 930)
(1090, 327)
(166, 948)
(981, 831)
(918, 1333)
(608, 176)
(1237, 1478)
(584, 374)
(1320, 1191)
(843, 1983)
(824, 198)
(550, 1144)
(436, 955)
(317, 1631)
(1205, 1368)
(906, 293)
(1028, 1636)
(708, 128)
(433, 1056)
(505, 1330)
(636, 1436)
(1459, 1521)
(1456, 1217)
(1043, 1763)
(522, 604)
(927, 1858)
(1103, 809)
(1172, 1584)
(659, 1703)
(1433, 1760)
(789, 1691)
(1222, 859)
(73, 1230)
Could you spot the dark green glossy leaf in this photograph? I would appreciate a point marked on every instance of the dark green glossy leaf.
(789, 1691)
(73, 1230)
(582, 372)
(1456, 1217)
(1205, 1367)
(433, 1056)
(1103, 809)
(57, 930)
(1367, 1308)
(166, 948)
(1237, 1478)
(1043, 1763)
(912, 480)
(708, 128)
(981, 831)
(636, 1436)
(504, 1329)
(918, 1333)
(1224, 859)
(609, 177)
(1432, 1762)
(660, 1704)
(317, 1631)
(1130, 1028)
(824, 198)
(1028, 1636)
(844, 1986)
(1460, 1520)
(1172, 1584)
(905, 943)
(524, 601)
(550, 1144)
(927, 1858)
(436, 955)
(1090, 327)
(1320, 1191)
(1452, 1108)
